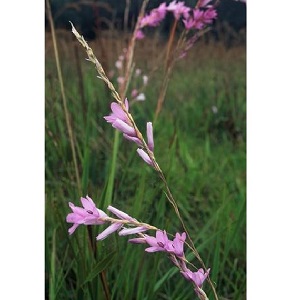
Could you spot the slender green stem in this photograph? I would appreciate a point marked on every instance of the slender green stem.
(112, 172)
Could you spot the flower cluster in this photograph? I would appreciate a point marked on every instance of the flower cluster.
(119, 120)
(175, 249)
(89, 214)
(196, 18)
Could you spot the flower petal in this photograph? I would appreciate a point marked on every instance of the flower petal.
(88, 203)
(124, 127)
(120, 214)
(137, 241)
(118, 111)
(154, 249)
(73, 228)
(109, 230)
(150, 136)
(144, 156)
(127, 231)
(132, 139)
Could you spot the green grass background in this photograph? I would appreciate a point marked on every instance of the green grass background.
(202, 153)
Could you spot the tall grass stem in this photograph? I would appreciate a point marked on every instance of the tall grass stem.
(60, 78)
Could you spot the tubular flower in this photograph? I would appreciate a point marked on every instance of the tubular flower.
(120, 214)
(87, 215)
(197, 277)
(161, 242)
(119, 120)
(150, 144)
(178, 244)
(109, 230)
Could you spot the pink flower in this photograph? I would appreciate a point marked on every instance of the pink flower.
(189, 23)
(155, 16)
(209, 15)
(135, 230)
(120, 214)
(161, 242)
(119, 120)
(139, 35)
(109, 230)
(88, 215)
(134, 93)
(150, 144)
(140, 240)
(197, 277)
(178, 244)
(150, 139)
(200, 18)
(178, 9)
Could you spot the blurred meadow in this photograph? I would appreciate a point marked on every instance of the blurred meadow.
(200, 143)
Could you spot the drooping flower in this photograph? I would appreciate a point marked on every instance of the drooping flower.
(135, 230)
(119, 120)
(197, 277)
(143, 154)
(178, 244)
(87, 215)
(120, 214)
(140, 240)
(160, 242)
(117, 113)
(109, 230)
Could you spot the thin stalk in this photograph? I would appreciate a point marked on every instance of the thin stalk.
(116, 96)
(129, 60)
(111, 178)
(130, 53)
(168, 68)
(67, 116)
